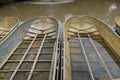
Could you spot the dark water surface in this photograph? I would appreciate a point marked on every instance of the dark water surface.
(105, 10)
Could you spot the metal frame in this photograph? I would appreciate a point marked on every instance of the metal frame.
(49, 34)
(35, 61)
(89, 67)
(86, 59)
(13, 75)
(99, 56)
(55, 57)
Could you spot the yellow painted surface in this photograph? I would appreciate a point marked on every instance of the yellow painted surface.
(102, 29)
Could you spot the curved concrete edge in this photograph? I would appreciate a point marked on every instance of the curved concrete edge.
(52, 3)
(14, 38)
(104, 29)
(112, 39)
(17, 23)
(117, 21)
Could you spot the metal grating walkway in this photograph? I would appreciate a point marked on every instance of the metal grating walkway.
(35, 58)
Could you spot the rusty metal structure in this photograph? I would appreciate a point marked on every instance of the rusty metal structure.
(36, 50)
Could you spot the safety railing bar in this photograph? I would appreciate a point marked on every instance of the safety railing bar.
(72, 32)
(86, 57)
(46, 52)
(92, 32)
(54, 58)
(37, 70)
(8, 56)
(44, 60)
(15, 71)
(51, 32)
(36, 29)
(28, 60)
(6, 71)
(59, 62)
(58, 59)
(74, 28)
(24, 70)
(40, 70)
(29, 36)
(81, 29)
(23, 47)
(64, 58)
(55, 63)
(89, 60)
(12, 61)
(62, 61)
(50, 35)
(36, 58)
(100, 56)
(50, 28)
(31, 32)
(42, 22)
(52, 64)
(19, 53)
(78, 61)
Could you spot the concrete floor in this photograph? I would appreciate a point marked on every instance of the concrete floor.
(105, 10)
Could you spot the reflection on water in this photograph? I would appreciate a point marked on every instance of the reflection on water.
(112, 7)
(106, 10)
